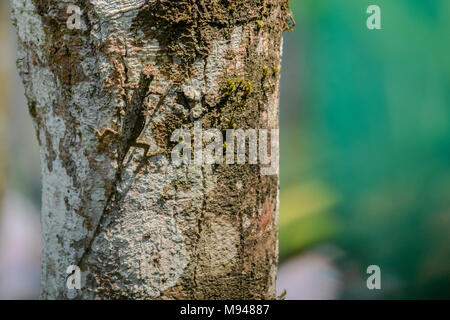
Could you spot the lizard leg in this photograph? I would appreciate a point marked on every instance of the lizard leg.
(146, 147)
(102, 133)
(155, 90)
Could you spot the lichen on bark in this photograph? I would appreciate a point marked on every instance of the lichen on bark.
(143, 227)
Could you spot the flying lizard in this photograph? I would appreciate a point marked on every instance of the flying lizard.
(134, 120)
(127, 136)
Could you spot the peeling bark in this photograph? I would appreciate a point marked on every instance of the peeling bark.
(105, 101)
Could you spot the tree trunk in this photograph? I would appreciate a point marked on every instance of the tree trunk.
(107, 97)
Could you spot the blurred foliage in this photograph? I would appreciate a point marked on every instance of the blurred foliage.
(305, 220)
(4, 92)
(20, 153)
(370, 128)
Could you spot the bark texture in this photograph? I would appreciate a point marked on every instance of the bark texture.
(141, 227)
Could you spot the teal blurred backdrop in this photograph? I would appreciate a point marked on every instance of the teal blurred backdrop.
(365, 138)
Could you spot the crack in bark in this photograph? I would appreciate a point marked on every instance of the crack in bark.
(133, 124)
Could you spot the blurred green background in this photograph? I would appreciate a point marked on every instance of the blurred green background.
(365, 153)
(365, 138)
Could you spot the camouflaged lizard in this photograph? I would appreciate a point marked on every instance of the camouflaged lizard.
(134, 120)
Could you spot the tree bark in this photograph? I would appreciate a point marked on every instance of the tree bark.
(138, 225)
